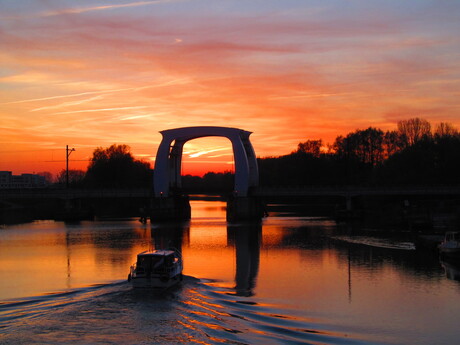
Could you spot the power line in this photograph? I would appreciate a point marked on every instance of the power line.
(70, 160)
(38, 150)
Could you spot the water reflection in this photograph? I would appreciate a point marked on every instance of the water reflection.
(293, 279)
(246, 239)
(170, 235)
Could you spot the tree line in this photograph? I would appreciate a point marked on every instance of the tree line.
(111, 167)
(414, 153)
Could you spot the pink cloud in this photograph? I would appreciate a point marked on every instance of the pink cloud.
(99, 75)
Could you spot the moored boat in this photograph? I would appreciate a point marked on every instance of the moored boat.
(451, 268)
(451, 245)
(156, 269)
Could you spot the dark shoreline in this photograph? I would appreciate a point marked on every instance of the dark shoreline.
(424, 214)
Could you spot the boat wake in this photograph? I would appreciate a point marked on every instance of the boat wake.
(376, 242)
(192, 312)
(221, 316)
(20, 311)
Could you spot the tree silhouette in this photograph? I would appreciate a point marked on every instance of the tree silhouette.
(445, 129)
(76, 178)
(409, 155)
(413, 130)
(393, 142)
(47, 175)
(312, 147)
(116, 167)
(365, 146)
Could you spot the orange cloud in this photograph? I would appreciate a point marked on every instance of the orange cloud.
(120, 73)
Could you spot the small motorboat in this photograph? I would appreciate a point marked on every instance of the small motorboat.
(156, 269)
(451, 245)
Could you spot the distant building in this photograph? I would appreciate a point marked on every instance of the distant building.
(8, 180)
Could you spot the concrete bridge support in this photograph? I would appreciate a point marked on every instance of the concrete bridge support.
(247, 208)
(176, 207)
(348, 203)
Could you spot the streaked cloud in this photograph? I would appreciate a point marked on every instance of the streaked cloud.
(67, 104)
(80, 10)
(93, 74)
(201, 153)
(102, 109)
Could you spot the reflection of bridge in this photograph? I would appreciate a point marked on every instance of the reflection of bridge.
(246, 238)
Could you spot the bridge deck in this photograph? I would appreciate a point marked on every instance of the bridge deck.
(351, 191)
(301, 191)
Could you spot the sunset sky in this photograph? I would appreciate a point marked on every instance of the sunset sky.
(93, 73)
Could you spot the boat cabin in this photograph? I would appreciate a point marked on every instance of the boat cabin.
(452, 236)
(150, 261)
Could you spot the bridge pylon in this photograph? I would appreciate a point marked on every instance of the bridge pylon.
(168, 204)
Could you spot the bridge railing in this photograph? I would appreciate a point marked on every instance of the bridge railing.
(351, 190)
(263, 191)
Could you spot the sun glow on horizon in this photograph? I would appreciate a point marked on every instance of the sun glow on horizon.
(89, 75)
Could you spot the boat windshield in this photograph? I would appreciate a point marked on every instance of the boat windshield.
(451, 236)
(149, 262)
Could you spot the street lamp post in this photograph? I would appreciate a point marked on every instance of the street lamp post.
(68, 152)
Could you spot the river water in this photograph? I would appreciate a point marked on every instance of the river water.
(289, 280)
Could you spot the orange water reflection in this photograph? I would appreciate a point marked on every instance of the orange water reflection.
(292, 262)
(51, 256)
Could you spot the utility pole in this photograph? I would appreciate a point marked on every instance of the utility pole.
(68, 152)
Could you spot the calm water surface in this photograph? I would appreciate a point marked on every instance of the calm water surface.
(289, 280)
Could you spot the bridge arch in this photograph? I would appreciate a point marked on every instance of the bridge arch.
(168, 161)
